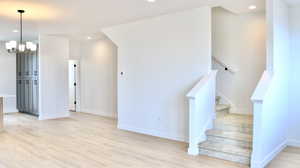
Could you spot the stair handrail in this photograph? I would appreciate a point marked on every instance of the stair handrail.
(202, 100)
(226, 67)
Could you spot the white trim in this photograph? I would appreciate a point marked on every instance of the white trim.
(153, 132)
(99, 113)
(270, 156)
(194, 150)
(293, 143)
(53, 117)
(262, 87)
(10, 110)
(197, 88)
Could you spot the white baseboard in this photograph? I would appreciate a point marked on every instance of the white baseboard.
(270, 156)
(103, 114)
(153, 132)
(53, 117)
(11, 110)
(293, 143)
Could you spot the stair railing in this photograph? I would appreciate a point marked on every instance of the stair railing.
(225, 66)
(202, 100)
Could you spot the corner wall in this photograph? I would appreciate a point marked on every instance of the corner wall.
(294, 130)
(98, 82)
(161, 59)
(53, 77)
(272, 113)
(8, 79)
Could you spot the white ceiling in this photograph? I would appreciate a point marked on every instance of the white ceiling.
(89, 16)
(293, 2)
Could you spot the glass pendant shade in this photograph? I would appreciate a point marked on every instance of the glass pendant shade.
(33, 47)
(20, 47)
(11, 46)
(30, 46)
(8, 46)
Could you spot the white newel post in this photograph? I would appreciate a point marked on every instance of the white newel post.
(201, 111)
(193, 143)
(257, 145)
(258, 99)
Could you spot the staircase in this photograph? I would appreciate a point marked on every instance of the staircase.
(231, 137)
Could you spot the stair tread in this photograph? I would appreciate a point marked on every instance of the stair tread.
(230, 135)
(231, 138)
(234, 119)
(222, 107)
(226, 148)
(216, 139)
(226, 156)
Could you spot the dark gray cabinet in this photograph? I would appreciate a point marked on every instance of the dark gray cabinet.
(28, 83)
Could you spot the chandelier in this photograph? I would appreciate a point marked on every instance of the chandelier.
(20, 47)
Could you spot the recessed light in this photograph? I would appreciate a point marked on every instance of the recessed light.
(89, 38)
(151, 1)
(15, 31)
(252, 7)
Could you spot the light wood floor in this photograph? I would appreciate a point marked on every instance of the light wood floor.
(88, 141)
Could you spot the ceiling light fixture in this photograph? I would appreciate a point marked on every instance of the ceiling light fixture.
(89, 38)
(15, 31)
(252, 7)
(21, 47)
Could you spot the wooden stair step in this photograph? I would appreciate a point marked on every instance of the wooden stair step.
(243, 128)
(230, 135)
(225, 156)
(215, 139)
(226, 148)
(226, 152)
(222, 107)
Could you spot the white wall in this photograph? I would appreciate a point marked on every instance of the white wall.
(239, 41)
(98, 71)
(53, 80)
(162, 59)
(294, 130)
(7, 71)
(271, 116)
(75, 49)
(8, 78)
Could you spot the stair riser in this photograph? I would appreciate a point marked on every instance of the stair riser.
(231, 136)
(225, 156)
(225, 148)
(236, 128)
(226, 111)
(225, 141)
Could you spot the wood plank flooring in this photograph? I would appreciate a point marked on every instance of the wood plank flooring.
(288, 158)
(89, 141)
